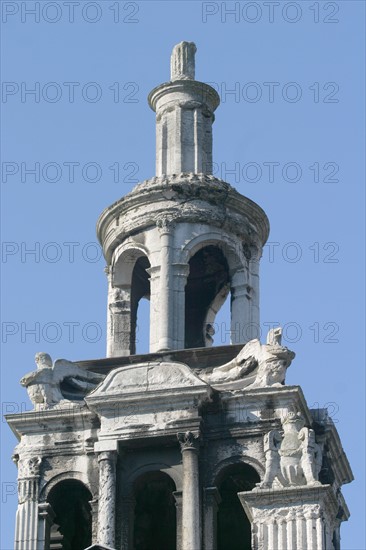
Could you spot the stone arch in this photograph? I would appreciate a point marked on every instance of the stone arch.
(233, 525)
(72, 523)
(237, 459)
(172, 472)
(65, 476)
(124, 259)
(230, 247)
(129, 283)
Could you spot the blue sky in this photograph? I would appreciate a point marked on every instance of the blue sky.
(289, 134)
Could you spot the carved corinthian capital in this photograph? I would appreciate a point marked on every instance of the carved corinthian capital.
(29, 467)
(188, 441)
(165, 224)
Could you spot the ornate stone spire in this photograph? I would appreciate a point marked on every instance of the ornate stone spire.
(184, 115)
(182, 63)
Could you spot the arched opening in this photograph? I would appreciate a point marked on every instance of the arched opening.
(233, 526)
(72, 526)
(140, 288)
(155, 514)
(208, 285)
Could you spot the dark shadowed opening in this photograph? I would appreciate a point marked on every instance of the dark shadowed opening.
(233, 526)
(208, 275)
(155, 514)
(140, 288)
(72, 526)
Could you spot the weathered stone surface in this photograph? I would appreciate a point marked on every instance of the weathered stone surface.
(266, 363)
(182, 63)
(179, 424)
(293, 518)
(148, 377)
(44, 384)
(294, 458)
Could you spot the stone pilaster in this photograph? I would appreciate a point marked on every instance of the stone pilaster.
(178, 505)
(26, 526)
(191, 513)
(94, 513)
(127, 521)
(119, 322)
(291, 518)
(107, 498)
(240, 307)
(180, 274)
(212, 500)
(46, 515)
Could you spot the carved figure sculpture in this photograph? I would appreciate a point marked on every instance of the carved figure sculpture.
(43, 384)
(295, 458)
(269, 361)
(272, 442)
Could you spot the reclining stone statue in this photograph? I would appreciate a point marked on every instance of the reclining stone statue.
(44, 384)
(268, 362)
(293, 458)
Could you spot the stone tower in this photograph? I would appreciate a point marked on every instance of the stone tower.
(191, 446)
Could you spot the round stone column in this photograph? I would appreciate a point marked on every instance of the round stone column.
(107, 498)
(191, 513)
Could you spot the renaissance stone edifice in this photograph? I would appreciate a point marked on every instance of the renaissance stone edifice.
(190, 446)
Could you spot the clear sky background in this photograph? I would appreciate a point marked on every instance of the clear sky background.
(290, 137)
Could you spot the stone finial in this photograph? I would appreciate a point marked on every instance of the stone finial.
(182, 64)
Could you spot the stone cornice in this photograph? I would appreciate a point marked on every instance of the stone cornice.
(289, 496)
(284, 396)
(35, 422)
(184, 198)
(204, 93)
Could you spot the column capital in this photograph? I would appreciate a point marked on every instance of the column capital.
(111, 456)
(29, 467)
(165, 224)
(188, 441)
